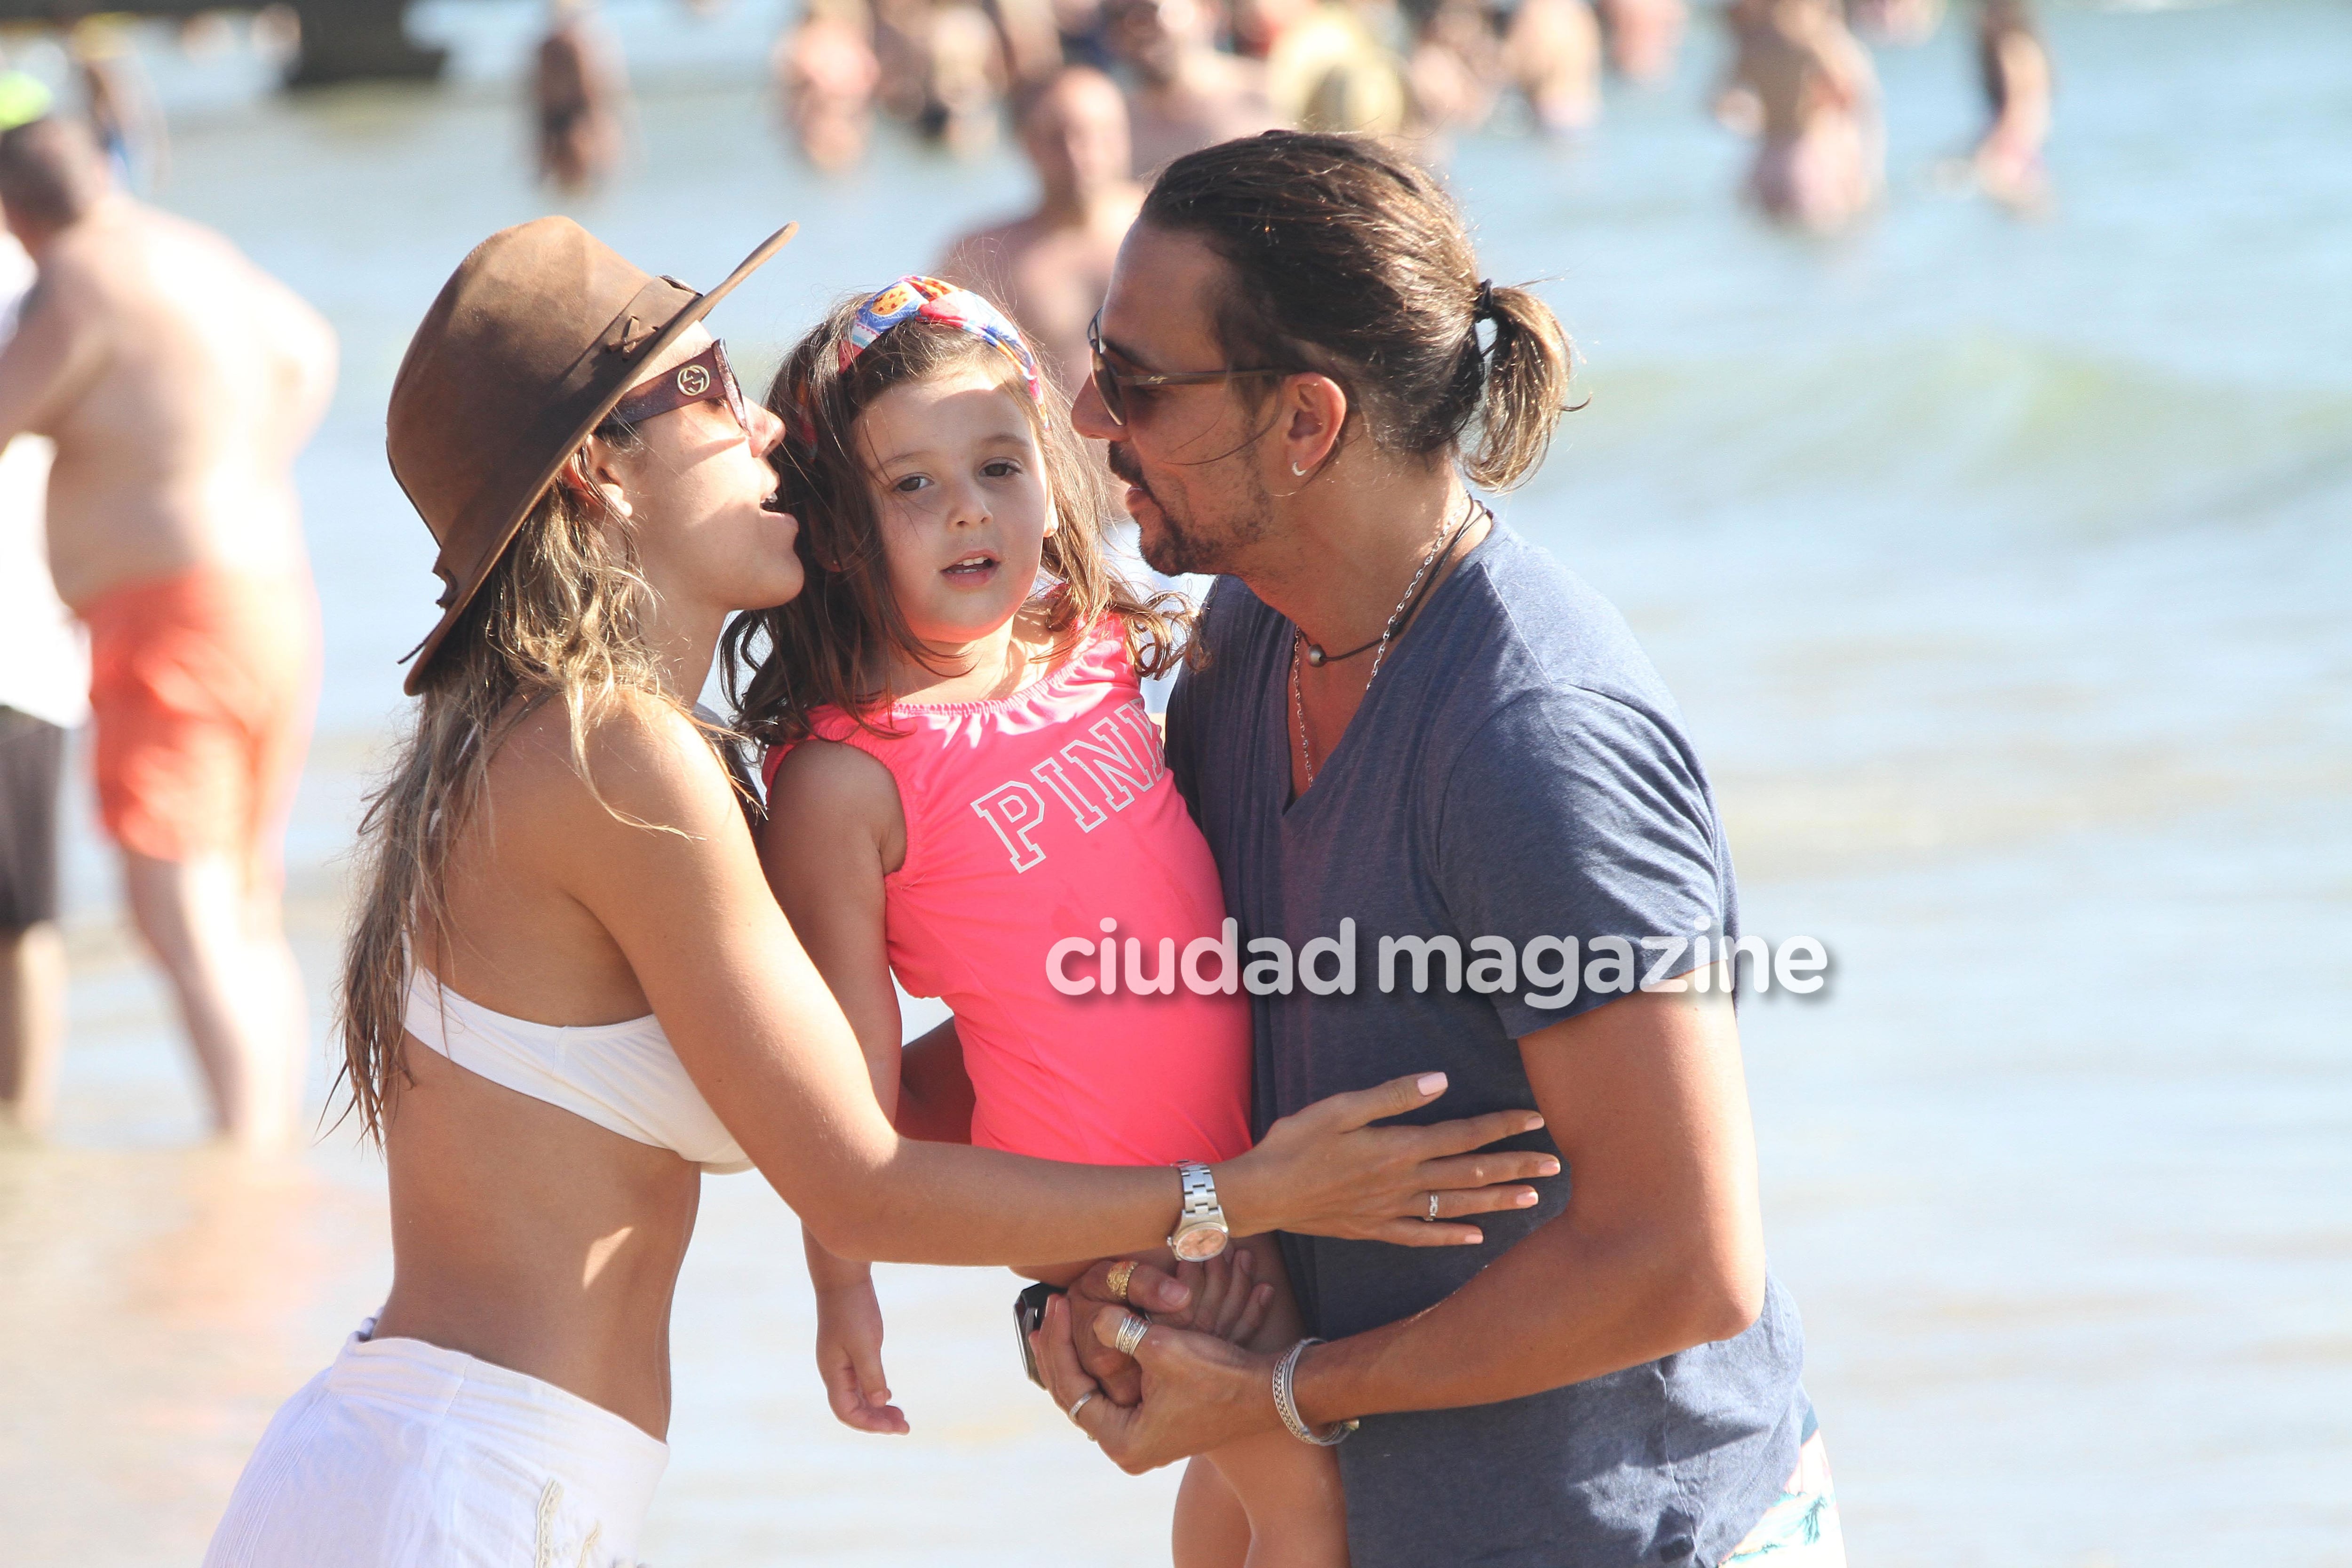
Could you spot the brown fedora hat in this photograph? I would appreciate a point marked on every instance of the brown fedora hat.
(532, 341)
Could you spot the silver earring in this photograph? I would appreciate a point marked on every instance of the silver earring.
(1298, 472)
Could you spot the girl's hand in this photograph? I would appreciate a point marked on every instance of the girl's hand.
(1228, 1300)
(1327, 1171)
(849, 1358)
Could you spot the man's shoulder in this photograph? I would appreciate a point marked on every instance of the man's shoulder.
(1547, 632)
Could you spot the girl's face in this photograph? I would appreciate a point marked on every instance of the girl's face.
(706, 534)
(960, 489)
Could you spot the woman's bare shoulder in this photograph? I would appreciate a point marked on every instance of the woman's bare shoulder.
(639, 761)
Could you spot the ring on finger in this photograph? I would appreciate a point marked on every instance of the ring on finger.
(1431, 1217)
(1080, 1403)
(1121, 1273)
(1131, 1331)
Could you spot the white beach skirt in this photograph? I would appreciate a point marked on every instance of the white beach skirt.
(403, 1455)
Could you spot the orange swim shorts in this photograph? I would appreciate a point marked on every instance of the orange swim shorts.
(203, 686)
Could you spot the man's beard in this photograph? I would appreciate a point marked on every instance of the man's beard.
(1180, 547)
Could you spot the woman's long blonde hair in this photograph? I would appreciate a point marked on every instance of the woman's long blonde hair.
(560, 619)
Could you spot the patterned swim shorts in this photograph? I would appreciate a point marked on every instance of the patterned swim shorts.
(1801, 1529)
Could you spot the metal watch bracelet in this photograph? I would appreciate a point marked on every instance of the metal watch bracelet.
(1286, 1403)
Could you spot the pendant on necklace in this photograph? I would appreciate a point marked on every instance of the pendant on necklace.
(1314, 655)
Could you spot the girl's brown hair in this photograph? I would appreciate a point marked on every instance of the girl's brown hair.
(829, 646)
(560, 619)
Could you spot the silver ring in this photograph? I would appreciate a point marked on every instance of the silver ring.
(1431, 1217)
(1130, 1334)
(1080, 1403)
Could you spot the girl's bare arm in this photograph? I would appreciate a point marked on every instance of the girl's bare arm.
(834, 830)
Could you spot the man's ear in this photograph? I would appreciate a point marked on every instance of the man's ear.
(1314, 411)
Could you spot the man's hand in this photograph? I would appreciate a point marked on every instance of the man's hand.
(849, 1358)
(1218, 1297)
(1199, 1393)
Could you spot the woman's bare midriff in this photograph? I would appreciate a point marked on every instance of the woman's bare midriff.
(533, 1239)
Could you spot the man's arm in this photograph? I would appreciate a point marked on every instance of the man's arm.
(1659, 1248)
(47, 360)
(308, 354)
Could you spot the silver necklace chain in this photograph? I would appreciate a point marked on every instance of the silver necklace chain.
(1388, 634)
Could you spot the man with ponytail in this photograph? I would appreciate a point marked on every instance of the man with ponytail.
(1404, 716)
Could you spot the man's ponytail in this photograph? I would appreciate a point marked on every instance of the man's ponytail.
(1528, 367)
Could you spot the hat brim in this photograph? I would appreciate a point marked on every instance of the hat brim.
(670, 331)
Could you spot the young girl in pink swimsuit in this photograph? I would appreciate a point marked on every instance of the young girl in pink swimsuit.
(963, 775)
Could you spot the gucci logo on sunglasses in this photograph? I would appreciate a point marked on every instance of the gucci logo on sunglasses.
(1112, 384)
(704, 378)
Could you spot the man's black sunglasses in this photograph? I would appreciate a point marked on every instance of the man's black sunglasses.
(1112, 384)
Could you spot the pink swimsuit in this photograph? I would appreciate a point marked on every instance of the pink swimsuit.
(1032, 819)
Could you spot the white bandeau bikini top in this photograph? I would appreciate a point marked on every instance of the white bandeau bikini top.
(622, 1076)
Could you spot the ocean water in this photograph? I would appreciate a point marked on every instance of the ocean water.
(2002, 568)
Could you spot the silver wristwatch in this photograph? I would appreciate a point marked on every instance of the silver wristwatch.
(1200, 1231)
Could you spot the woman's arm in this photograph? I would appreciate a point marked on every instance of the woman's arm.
(751, 1019)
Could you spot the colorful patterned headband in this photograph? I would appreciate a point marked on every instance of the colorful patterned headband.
(944, 302)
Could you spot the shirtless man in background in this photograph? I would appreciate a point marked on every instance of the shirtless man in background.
(2014, 67)
(178, 382)
(1808, 89)
(1049, 269)
(577, 87)
(1184, 93)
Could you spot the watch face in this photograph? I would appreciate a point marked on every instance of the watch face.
(1197, 1243)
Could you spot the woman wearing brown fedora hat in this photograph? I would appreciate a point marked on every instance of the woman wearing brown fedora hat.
(570, 991)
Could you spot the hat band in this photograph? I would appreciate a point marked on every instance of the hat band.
(561, 424)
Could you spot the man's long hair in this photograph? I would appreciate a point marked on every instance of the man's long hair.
(1346, 259)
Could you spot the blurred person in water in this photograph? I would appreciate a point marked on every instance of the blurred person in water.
(1050, 266)
(43, 695)
(1809, 89)
(965, 76)
(577, 88)
(117, 103)
(179, 382)
(1329, 67)
(1553, 52)
(1084, 29)
(826, 76)
(1643, 37)
(2014, 67)
(1184, 93)
(1455, 69)
(1902, 23)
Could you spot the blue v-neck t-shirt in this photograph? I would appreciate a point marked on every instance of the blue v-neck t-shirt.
(1518, 771)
